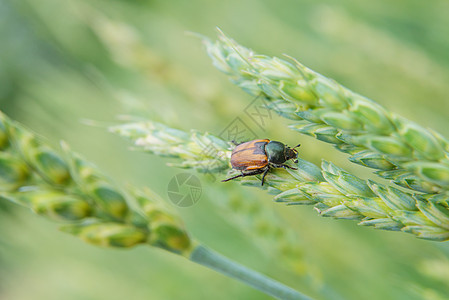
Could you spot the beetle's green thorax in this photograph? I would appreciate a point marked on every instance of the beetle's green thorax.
(275, 152)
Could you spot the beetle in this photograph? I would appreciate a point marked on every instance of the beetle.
(259, 156)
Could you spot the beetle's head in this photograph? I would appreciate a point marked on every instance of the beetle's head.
(292, 153)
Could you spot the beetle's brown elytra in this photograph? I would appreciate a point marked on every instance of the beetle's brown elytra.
(250, 155)
(258, 156)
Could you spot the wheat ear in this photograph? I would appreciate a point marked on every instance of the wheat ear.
(402, 151)
(68, 189)
(334, 192)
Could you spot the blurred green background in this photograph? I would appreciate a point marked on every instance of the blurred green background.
(65, 61)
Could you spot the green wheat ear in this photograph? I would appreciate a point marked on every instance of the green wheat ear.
(68, 189)
(403, 151)
(71, 190)
(334, 192)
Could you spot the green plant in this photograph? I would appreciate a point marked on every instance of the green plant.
(74, 192)
(334, 192)
(404, 152)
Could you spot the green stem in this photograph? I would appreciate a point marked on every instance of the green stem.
(219, 263)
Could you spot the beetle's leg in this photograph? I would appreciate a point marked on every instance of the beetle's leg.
(255, 172)
(234, 177)
(283, 166)
(264, 174)
(287, 166)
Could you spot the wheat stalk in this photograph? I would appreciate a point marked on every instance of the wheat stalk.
(402, 151)
(70, 190)
(334, 192)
